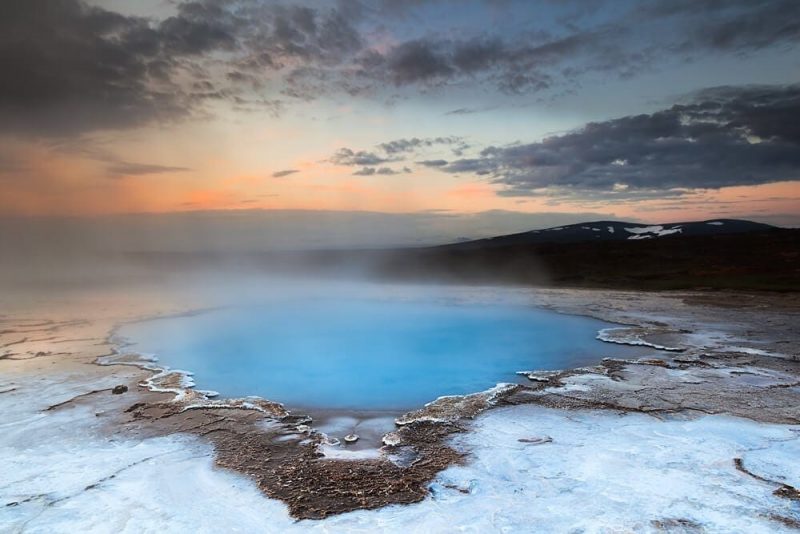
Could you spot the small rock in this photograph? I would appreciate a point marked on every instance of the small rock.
(787, 492)
(392, 439)
(296, 419)
(351, 438)
(457, 488)
(120, 389)
(653, 361)
(537, 440)
(537, 378)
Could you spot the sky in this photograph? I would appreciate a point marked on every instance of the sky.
(427, 119)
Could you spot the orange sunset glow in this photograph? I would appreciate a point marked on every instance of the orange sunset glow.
(399, 266)
(326, 132)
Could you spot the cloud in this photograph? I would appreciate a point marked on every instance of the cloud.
(621, 45)
(385, 171)
(401, 146)
(416, 61)
(433, 163)
(71, 68)
(462, 111)
(521, 66)
(306, 33)
(538, 56)
(346, 156)
(198, 28)
(737, 25)
(725, 136)
(395, 150)
(281, 174)
(125, 168)
(10, 161)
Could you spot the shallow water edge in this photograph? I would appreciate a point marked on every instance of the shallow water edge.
(722, 369)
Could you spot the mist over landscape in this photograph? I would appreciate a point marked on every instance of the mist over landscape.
(399, 266)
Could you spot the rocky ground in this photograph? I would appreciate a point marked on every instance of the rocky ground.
(723, 354)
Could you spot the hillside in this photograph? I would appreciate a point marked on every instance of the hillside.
(729, 255)
(615, 231)
(719, 254)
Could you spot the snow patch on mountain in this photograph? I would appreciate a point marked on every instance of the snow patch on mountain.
(646, 232)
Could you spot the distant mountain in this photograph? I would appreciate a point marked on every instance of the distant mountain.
(613, 231)
(715, 254)
(718, 254)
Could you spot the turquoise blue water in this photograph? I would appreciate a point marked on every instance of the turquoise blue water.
(367, 354)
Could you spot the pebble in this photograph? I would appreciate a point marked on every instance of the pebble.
(537, 440)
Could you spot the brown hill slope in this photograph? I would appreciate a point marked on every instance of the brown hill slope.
(768, 260)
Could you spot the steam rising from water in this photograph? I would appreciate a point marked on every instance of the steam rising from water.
(218, 250)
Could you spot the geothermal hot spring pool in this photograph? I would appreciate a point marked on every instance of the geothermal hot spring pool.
(367, 354)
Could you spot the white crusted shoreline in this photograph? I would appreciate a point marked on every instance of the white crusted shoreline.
(604, 470)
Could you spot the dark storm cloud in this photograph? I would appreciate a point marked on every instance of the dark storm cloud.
(71, 68)
(303, 32)
(199, 27)
(67, 67)
(733, 25)
(281, 174)
(417, 61)
(721, 137)
(634, 41)
(520, 67)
